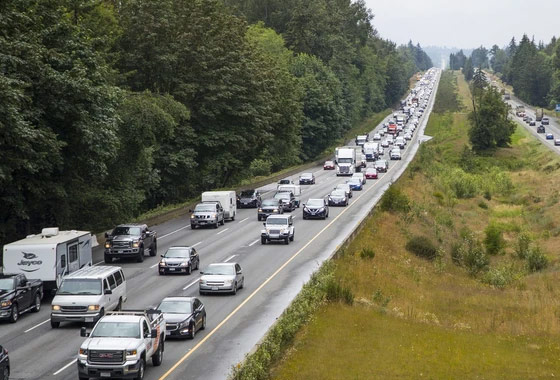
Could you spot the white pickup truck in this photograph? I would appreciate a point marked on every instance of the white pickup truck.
(120, 344)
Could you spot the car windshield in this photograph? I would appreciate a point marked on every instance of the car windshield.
(338, 193)
(342, 186)
(306, 175)
(220, 269)
(371, 171)
(315, 203)
(171, 253)
(80, 286)
(380, 163)
(134, 231)
(6, 283)
(284, 181)
(270, 202)
(205, 208)
(276, 221)
(329, 163)
(116, 330)
(354, 180)
(344, 160)
(283, 195)
(175, 307)
(247, 194)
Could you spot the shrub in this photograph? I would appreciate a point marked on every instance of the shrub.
(380, 299)
(470, 254)
(483, 205)
(487, 195)
(494, 240)
(260, 167)
(536, 260)
(422, 246)
(523, 246)
(395, 200)
(464, 185)
(499, 277)
(336, 292)
(367, 253)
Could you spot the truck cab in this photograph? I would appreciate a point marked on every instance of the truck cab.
(130, 241)
(18, 295)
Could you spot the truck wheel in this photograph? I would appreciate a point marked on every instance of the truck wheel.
(37, 304)
(233, 217)
(14, 315)
(293, 236)
(259, 218)
(80, 377)
(55, 325)
(223, 221)
(140, 257)
(108, 260)
(141, 370)
(193, 226)
(153, 249)
(287, 240)
(263, 240)
(157, 358)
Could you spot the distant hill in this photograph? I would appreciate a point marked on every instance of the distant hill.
(440, 55)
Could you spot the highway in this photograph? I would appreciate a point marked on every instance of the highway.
(274, 274)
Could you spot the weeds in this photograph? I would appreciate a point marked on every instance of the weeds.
(536, 260)
(494, 240)
(422, 246)
(381, 299)
(367, 253)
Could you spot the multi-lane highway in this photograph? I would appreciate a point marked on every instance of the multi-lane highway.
(273, 276)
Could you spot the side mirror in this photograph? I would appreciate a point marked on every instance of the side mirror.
(201, 272)
(106, 235)
(303, 204)
(84, 333)
(153, 334)
(161, 255)
(190, 210)
(108, 291)
(264, 224)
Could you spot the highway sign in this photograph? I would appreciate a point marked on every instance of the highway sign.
(558, 108)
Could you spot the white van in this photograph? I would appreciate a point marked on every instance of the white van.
(295, 189)
(228, 200)
(49, 256)
(86, 295)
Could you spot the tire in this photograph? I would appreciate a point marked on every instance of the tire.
(197, 265)
(189, 269)
(119, 305)
(14, 315)
(193, 226)
(153, 249)
(234, 291)
(140, 257)
(223, 222)
(201, 293)
(80, 377)
(55, 325)
(203, 326)
(157, 359)
(232, 218)
(193, 331)
(263, 240)
(108, 260)
(217, 224)
(37, 306)
(287, 241)
(242, 283)
(259, 218)
(293, 236)
(142, 369)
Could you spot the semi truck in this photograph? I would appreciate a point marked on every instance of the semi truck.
(539, 114)
(371, 151)
(345, 161)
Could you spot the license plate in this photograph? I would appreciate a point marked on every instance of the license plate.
(120, 251)
(214, 288)
(168, 333)
(105, 374)
(171, 269)
(89, 319)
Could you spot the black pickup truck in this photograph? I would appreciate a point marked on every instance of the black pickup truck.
(130, 240)
(18, 295)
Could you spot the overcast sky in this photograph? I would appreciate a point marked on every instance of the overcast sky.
(465, 23)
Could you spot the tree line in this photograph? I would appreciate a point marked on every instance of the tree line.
(532, 69)
(111, 108)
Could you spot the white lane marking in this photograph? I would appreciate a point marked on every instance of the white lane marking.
(101, 262)
(63, 368)
(191, 284)
(294, 216)
(173, 232)
(253, 243)
(37, 325)
(194, 245)
(155, 265)
(222, 231)
(229, 258)
(241, 221)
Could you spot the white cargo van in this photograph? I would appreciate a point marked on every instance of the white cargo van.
(86, 295)
(227, 199)
(50, 255)
(295, 189)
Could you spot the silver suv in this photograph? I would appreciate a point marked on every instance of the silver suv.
(207, 214)
(278, 228)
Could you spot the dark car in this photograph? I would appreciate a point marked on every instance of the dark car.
(179, 260)
(285, 181)
(288, 200)
(338, 197)
(249, 199)
(540, 129)
(268, 207)
(18, 295)
(329, 165)
(130, 241)
(549, 136)
(316, 209)
(307, 179)
(532, 123)
(184, 316)
(4, 364)
(381, 166)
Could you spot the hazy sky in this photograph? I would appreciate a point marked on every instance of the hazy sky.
(465, 23)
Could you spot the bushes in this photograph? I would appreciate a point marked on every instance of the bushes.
(421, 246)
(523, 246)
(494, 240)
(536, 260)
(336, 292)
(367, 253)
(470, 254)
(260, 167)
(395, 200)
(500, 277)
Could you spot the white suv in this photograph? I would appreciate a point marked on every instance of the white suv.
(278, 228)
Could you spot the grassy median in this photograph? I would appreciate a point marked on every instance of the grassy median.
(455, 274)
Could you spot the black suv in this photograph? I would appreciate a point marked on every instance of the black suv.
(316, 209)
(287, 200)
(540, 129)
(307, 179)
(130, 240)
(269, 207)
(249, 199)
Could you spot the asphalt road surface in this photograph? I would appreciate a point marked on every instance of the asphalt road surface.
(274, 274)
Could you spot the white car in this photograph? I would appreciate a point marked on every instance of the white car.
(376, 137)
(381, 132)
(407, 136)
(395, 154)
(390, 139)
(385, 143)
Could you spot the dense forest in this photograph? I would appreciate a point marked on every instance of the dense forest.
(110, 108)
(532, 69)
